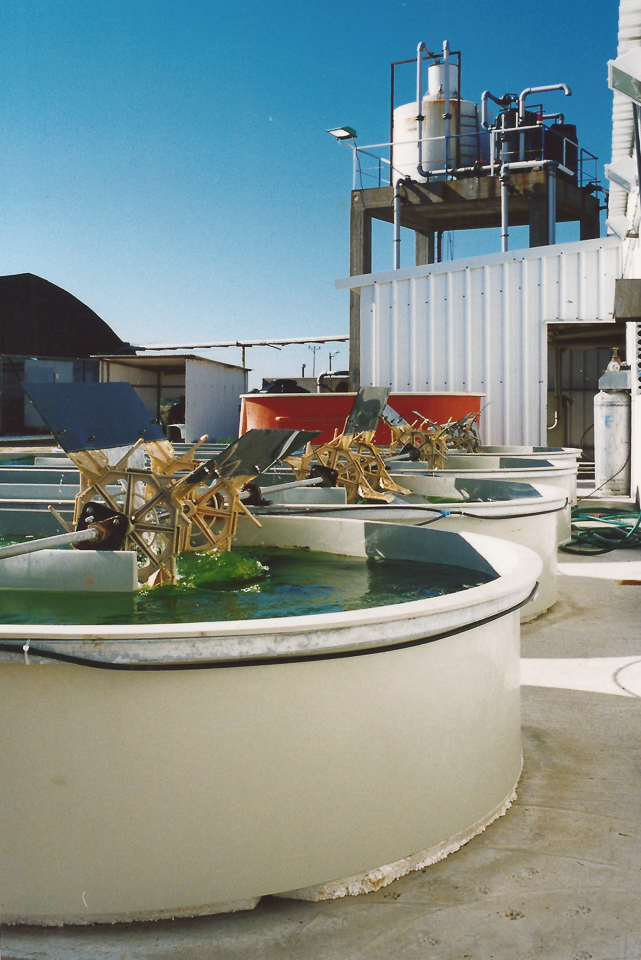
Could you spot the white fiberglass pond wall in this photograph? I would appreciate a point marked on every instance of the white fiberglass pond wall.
(479, 325)
(207, 764)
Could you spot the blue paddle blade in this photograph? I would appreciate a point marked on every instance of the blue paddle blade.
(394, 419)
(367, 410)
(93, 416)
(251, 454)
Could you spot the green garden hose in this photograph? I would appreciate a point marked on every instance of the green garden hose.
(622, 530)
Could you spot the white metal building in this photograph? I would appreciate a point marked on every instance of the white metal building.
(480, 325)
(211, 389)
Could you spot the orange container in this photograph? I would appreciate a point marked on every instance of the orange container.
(328, 412)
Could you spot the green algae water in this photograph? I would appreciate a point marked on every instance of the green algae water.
(247, 584)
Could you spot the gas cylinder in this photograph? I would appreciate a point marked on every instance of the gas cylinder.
(612, 442)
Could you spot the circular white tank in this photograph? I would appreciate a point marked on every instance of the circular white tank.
(436, 75)
(310, 756)
(472, 145)
(520, 512)
(553, 454)
(612, 442)
(540, 472)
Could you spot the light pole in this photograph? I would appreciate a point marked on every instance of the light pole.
(314, 347)
(332, 353)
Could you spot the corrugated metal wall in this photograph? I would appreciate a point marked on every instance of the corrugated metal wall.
(212, 400)
(479, 325)
(211, 390)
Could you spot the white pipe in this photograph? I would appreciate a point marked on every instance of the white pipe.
(419, 108)
(533, 164)
(637, 151)
(319, 378)
(530, 90)
(447, 116)
(293, 485)
(397, 225)
(499, 101)
(515, 164)
(504, 222)
(329, 373)
(62, 540)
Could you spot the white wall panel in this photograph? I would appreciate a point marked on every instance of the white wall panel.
(145, 380)
(212, 399)
(211, 390)
(478, 325)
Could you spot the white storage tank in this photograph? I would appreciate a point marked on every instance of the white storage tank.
(472, 144)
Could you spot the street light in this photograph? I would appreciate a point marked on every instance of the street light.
(343, 133)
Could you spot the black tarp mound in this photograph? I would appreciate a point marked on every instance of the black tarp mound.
(39, 319)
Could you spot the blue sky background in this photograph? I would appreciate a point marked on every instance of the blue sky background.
(168, 163)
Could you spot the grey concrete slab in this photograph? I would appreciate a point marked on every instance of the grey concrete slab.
(594, 615)
(557, 878)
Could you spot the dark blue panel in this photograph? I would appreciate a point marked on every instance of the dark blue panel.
(367, 410)
(391, 416)
(93, 416)
(251, 454)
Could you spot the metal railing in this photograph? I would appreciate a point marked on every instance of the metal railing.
(523, 143)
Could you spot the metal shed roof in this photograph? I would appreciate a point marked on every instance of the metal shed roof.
(163, 361)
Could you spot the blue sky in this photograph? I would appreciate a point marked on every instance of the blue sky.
(168, 163)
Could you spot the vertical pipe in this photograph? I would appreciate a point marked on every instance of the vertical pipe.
(391, 129)
(637, 144)
(397, 224)
(521, 145)
(447, 116)
(459, 142)
(503, 182)
(504, 227)
(419, 105)
(558, 386)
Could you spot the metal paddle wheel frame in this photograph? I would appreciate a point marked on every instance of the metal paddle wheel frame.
(352, 462)
(178, 505)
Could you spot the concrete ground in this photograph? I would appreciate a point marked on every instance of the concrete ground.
(557, 878)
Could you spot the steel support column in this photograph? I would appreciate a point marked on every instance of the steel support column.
(360, 261)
